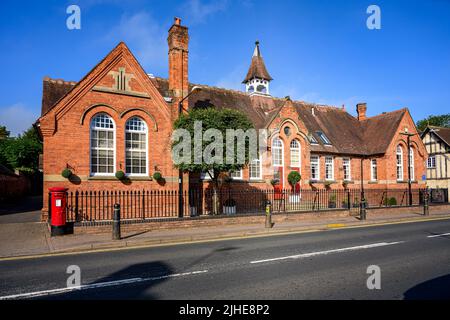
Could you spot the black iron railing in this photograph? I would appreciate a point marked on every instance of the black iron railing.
(160, 204)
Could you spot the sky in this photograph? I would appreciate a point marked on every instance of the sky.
(318, 51)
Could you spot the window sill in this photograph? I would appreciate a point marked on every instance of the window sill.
(103, 178)
(373, 182)
(139, 178)
(257, 181)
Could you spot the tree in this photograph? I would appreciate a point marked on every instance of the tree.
(3, 133)
(210, 155)
(293, 178)
(22, 152)
(438, 121)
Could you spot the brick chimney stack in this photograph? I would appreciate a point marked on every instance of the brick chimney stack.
(361, 109)
(178, 41)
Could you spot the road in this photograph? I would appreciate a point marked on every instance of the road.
(414, 260)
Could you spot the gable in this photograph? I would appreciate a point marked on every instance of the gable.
(118, 74)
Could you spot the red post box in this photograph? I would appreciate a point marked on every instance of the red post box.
(57, 210)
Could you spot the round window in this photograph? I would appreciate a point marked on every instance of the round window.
(287, 131)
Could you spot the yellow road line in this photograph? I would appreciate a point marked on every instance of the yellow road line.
(245, 236)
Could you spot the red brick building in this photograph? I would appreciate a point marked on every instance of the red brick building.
(120, 118)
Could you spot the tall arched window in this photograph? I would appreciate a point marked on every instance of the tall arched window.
(136, 147)
(277, 152)
(102, 145)
(295, 154)
(411, 163)
(399, 163)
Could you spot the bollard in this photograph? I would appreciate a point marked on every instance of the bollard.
(426, 209)
(116, 222)
(268, 214)
(362, 214)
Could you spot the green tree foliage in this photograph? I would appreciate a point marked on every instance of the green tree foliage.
(294, 177)
(22, 152)
(221, 120)
(211, 118)
(3, 133)
(438, 121)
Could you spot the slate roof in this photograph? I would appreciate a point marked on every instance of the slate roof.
(347, 135)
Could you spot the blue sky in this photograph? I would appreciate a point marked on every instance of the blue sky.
(319, 51)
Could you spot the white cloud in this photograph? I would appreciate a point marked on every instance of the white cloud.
(145, 36)
(17, 118)
(198, 11)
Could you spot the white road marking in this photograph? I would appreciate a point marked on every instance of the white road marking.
(439, 235)
(312, 254)
(96, 285)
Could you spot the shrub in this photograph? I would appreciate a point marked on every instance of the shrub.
(275, 182)
(157, 176)
(120, 175)
(392, 201)
(294, 178)
(66, 173)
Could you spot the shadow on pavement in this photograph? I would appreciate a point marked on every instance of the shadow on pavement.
(27, 204)
(434, 289)
(153, 272)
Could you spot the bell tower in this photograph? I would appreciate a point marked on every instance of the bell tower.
(257, 79)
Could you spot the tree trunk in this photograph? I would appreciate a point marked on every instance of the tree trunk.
(215, 198)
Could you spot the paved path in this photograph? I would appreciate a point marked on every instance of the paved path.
(414, 259)
(22, 239)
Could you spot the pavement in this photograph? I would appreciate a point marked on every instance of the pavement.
(25, 239)
(409, 261)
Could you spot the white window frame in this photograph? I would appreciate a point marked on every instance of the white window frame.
(332, 168)
(324, 138)
(279, 148)
(411, 162)
(139, 150)
(317, 164)
(237, 177)
(295, 148)
(399, 162)
(431, 162)
(91, 128)
(255, 162)
(349, 166)
(373, 166)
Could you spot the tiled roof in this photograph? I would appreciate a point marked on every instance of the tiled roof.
(257, 67)
(347, 134)
(441, 132)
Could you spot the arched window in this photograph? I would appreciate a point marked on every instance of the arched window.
(295, 154)
(399, 163)
(411, 162)
(136, 147)
(102, 145)
(277, 152)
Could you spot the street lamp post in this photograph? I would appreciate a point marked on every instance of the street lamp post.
(180, 172)
(408, 142)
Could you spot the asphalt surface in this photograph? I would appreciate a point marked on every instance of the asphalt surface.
(414, 259)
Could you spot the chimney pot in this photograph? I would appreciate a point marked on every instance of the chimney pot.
(361, 109)
(177, 21)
